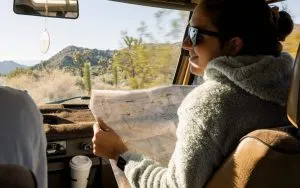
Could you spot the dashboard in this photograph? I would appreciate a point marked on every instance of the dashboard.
(69, 132)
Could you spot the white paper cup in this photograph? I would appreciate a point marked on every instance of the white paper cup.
(80, 169)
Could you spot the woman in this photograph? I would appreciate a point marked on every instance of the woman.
(236, 46)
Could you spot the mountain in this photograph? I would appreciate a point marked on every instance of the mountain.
(64, 58)
(27, 62)
(7, 66)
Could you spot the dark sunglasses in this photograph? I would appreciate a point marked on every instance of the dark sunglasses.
(195, 34)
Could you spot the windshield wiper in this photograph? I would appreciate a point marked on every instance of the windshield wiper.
(68, 99)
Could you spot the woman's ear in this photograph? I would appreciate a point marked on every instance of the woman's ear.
(233, 46)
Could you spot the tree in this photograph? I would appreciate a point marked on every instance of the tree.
(142, 65)
(87, 77)
(142, 30)
(178, 23)
(78, 62)
(144, 62)
(115, 73)
(126, 60)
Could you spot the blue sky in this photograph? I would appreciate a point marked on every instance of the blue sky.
(98, 26)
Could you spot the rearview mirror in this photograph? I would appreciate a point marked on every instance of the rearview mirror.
(47, 8)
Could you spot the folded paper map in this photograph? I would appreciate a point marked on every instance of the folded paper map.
(145, 119)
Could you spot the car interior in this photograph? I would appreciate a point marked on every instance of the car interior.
(263, 158)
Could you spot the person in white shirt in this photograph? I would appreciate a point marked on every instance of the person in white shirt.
(22, 137)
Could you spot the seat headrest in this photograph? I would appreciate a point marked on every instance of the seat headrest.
(17, 176)
(293, 103)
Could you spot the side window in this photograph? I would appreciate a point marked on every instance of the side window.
(291, 43)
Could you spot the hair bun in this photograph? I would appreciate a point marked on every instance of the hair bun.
(285, 25)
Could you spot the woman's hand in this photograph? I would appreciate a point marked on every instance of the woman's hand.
(106, 142)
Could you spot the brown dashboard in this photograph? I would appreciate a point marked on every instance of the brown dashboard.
(69, 132)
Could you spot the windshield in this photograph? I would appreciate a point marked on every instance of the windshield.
(110, 46)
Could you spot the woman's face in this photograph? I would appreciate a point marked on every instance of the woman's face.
(206, 49)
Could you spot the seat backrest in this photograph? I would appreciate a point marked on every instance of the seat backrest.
(16, 176)
(267, 157)
(264, 158)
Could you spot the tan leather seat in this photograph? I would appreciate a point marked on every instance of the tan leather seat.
(268, 157)
(264, 158)
(16, 176)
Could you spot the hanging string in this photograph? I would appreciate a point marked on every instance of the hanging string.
(45, 37)
(45, 26)
(46, 14)
(46, 7)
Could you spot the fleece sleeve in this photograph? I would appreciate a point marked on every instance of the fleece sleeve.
(195, 156)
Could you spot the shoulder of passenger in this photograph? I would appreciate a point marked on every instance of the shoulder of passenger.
(16, 97)
(11, 91)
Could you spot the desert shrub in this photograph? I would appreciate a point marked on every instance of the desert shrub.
(97, 83)
(2, 81)
(19, 72)
(46, 85)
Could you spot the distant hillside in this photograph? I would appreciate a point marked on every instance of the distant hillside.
(101, 60)
(64, 58)
(7, 66)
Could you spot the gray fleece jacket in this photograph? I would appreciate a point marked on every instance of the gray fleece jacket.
(239, 95)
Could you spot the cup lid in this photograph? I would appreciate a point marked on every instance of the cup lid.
(81, 162)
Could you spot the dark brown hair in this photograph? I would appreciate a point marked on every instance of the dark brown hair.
(260, 28)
